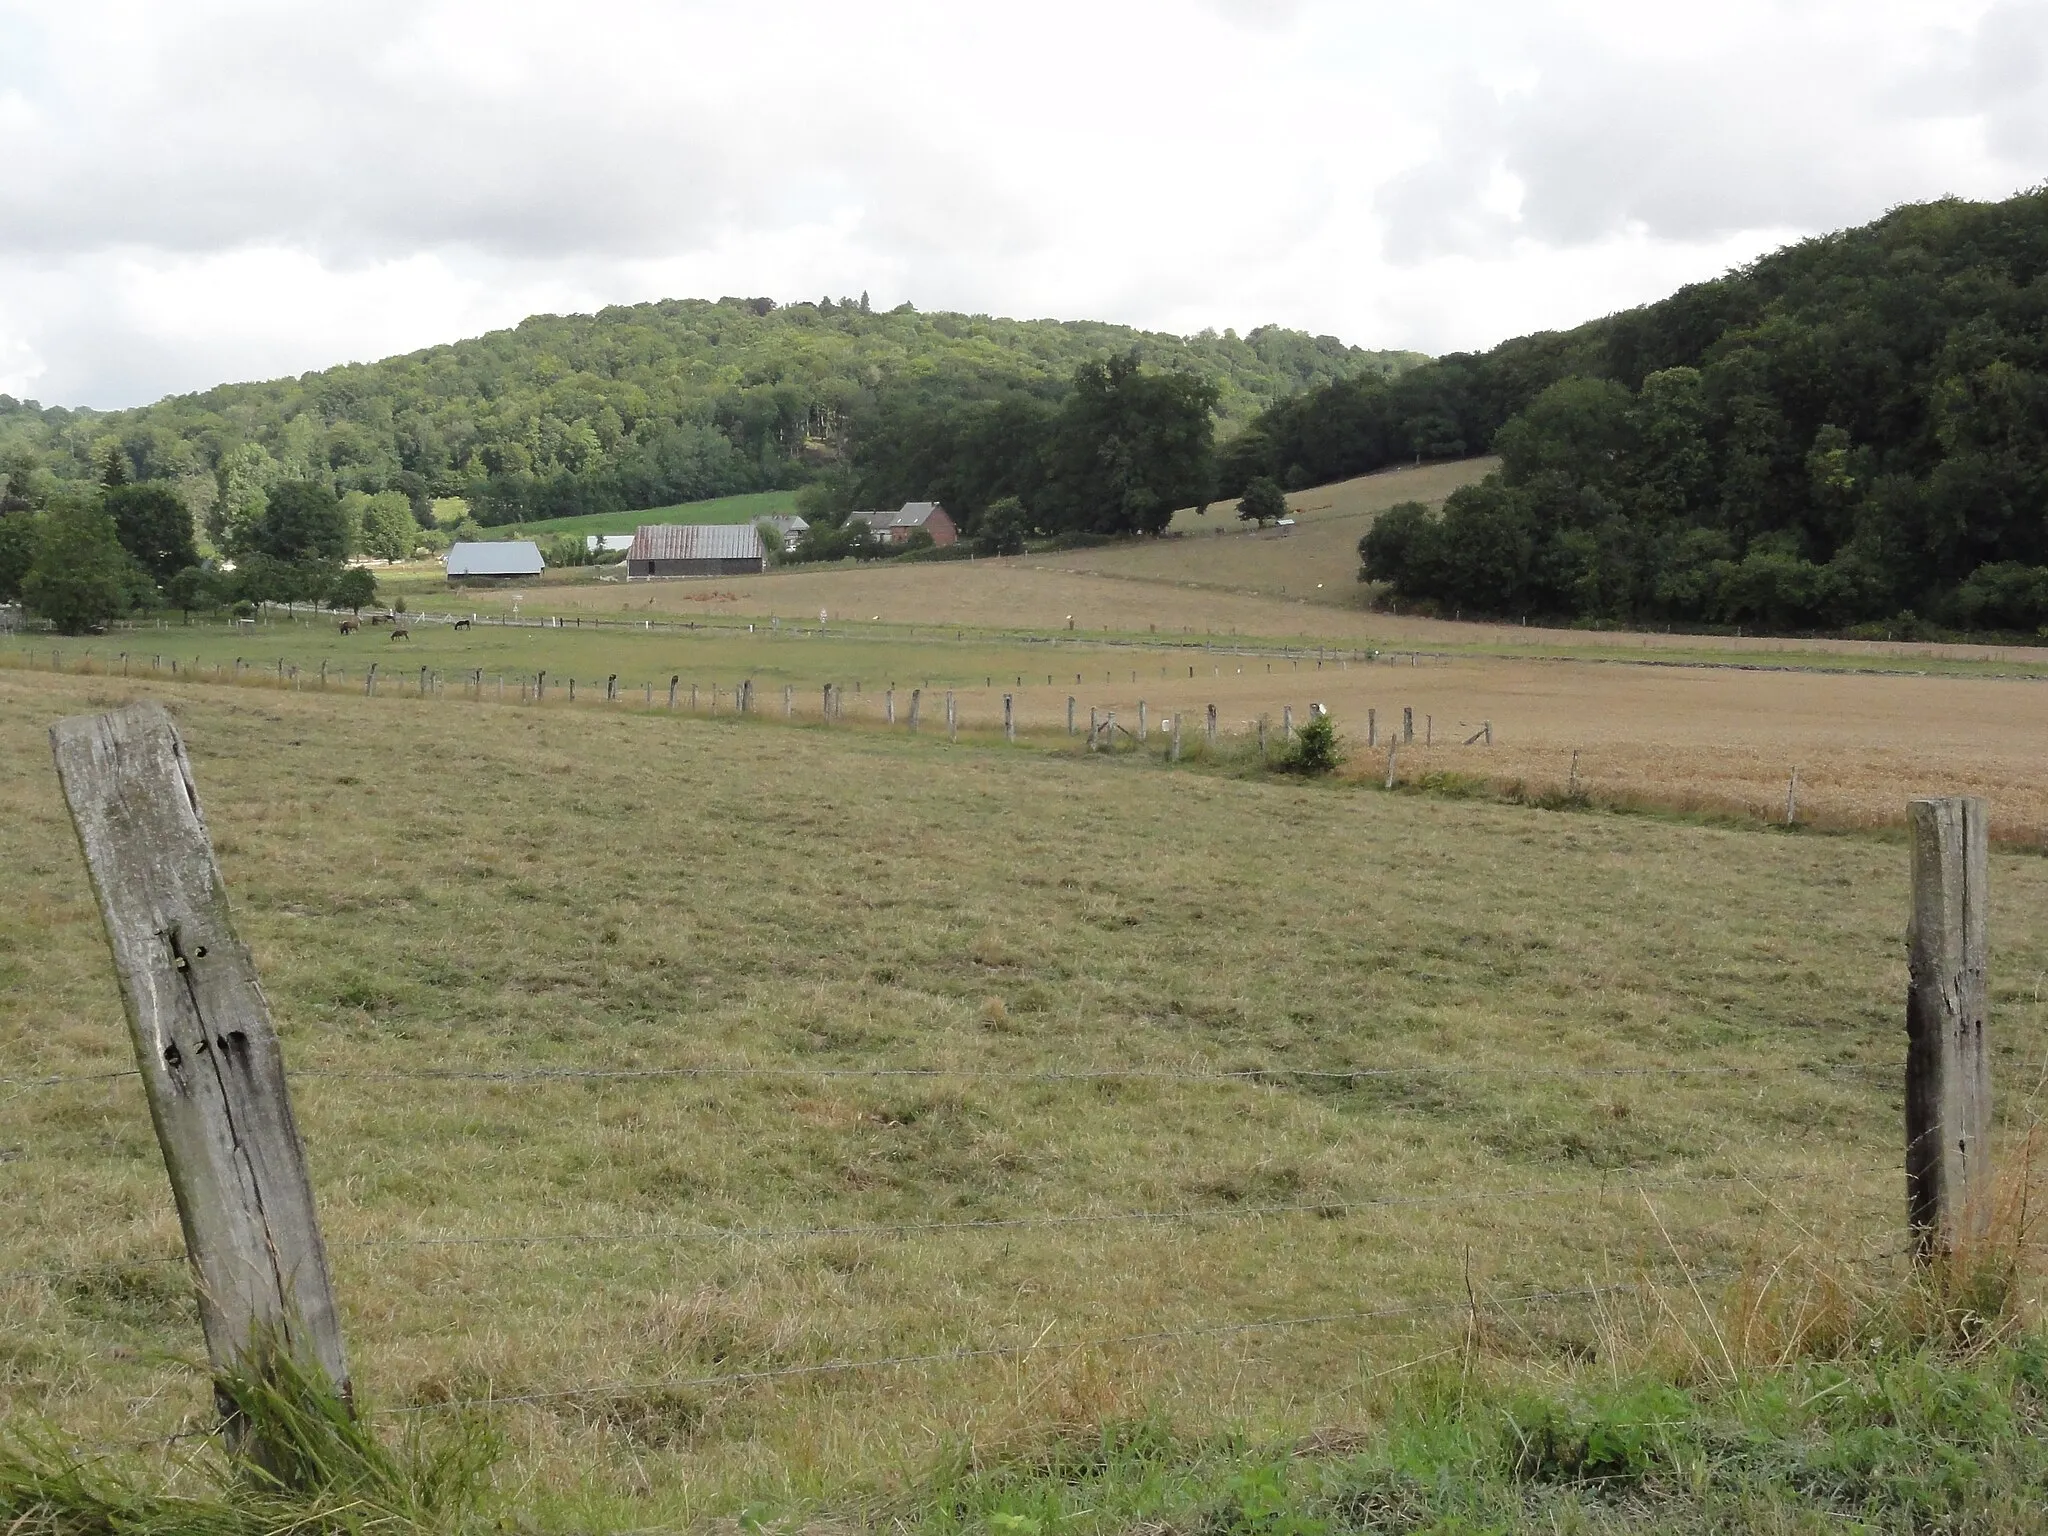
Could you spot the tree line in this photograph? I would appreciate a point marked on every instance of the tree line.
(634, 407)
(1849, 434)
(92, 554)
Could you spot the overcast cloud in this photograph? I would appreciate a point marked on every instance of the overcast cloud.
(199, 190)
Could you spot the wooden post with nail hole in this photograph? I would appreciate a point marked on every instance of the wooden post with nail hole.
(205, 1044)
(1948, 1062)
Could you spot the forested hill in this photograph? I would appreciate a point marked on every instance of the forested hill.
(632, 407)
(1853, 430)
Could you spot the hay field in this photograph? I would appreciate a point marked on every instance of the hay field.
(1716, 739)
(500, 890)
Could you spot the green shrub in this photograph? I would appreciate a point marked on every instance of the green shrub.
(1315, 750)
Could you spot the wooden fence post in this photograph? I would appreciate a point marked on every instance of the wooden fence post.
(1094, 727)
(825, 705)
(1287, 725)
(1407, 724)
(1070, 714)
(1176, 737)
(1262, 738)
(540, 686)
(916, 699)
(675, 681)
(370, 681)
(1009, 718)
(205, 1045)
(1792, 799)
(952, 718)
(1948, 1063)
(788, 701)
(1393, 750)
(889, 706)
(1212, 726)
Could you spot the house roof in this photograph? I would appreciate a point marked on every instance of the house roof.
(784, 522)
(499, 557)
(912, 514)
(695, 541)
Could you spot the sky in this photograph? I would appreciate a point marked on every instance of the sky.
(194, 191)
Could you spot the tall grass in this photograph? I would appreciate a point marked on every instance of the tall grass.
(293, 1458)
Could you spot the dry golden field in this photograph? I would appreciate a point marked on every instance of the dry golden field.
(1609, 1044)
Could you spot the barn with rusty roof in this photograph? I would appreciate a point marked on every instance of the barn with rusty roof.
(712, 549)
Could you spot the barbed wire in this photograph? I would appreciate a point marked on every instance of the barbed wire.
(1255, 1075)
(797, 1233)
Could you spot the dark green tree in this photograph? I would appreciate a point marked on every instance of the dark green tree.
(114, 468)
(1002, 528)
(153, 526)
(81, 579)
(1264, 502)
(192, 589)
(1129, 447)
(302, 524)
(18, 534)
(354, 589)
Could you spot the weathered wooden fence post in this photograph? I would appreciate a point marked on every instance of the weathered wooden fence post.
(1070, 714)
(916, 701)
(1009, 718)
(1407, 724)
(611, 689)
(370, 681)
(205, 1045)
(675, 681)
(1792, 799)
(1094, 727)
(423, 682)
(540, 686)
(1948, 1063)
(1175, 753)
(889, 706)
(1141, 722)
(1262, 738)
(788, 701)
(825, 705)
(1287, 725)
(1212, 726)
(952, 718)
(1393, 750)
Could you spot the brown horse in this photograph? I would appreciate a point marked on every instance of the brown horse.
(350, 626)
(462, 623)
(400, 632)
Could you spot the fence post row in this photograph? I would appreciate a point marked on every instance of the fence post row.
(1948, 1063)
(205, 1044)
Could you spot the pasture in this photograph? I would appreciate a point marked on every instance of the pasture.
(657, 1069)
(720, 509)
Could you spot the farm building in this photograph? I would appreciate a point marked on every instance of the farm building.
(897, 527)
(789, 526)
(500, 558)
(712, 549)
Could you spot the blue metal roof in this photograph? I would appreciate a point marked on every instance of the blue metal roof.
(500, 557)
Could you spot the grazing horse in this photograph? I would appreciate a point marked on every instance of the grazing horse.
(350, 626)
(400, 632)
(380, 618)
(462, 623)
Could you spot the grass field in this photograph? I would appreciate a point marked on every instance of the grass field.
(720, 509)
(1715, 739)
(438, 889)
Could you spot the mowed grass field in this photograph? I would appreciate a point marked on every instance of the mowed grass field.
(1721, 735)
(959, 1016)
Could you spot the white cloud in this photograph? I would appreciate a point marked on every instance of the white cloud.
(213, 189)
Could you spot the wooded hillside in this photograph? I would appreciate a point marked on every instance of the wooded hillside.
(1853, 430)
(632, 407)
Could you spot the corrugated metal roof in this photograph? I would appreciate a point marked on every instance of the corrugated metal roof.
(916, 514)
(696, 541)
(500, 557)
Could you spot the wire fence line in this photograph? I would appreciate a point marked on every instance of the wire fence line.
(679, 1236)
(1256, 1076)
